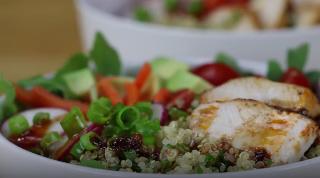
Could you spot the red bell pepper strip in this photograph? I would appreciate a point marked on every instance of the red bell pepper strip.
(143, 75)
(132, 94)
(162, 96)
(107, 90)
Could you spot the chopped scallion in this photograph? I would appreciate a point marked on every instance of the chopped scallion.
(18, 125)
(73, 123)
(86, 143)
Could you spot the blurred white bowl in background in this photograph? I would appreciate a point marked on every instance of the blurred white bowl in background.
(135, 40)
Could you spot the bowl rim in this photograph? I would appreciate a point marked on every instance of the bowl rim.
(86, 7)
(106, 172)
(256, 66)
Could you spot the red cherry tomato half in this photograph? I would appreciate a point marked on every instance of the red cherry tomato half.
(216, 74)
(294, 76)
(210, 5)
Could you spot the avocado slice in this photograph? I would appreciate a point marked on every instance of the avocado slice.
(80, 82)
(164, 68)
(186, 80)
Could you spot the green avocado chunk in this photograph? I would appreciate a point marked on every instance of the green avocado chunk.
(164, 68)
(186, 80)
(80, 82)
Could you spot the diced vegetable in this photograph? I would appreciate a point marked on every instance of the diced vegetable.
(73, 123)
(181, 99)
(142, 14)
(126, 117)
(100, 111)
(171, 5)
(76, 62)
(18, 125)
(162, 96)
(297, 57)
(160, 113)
(149, 88)
(313, 76)
(186, 80)
(148, 129)
(216, 74)
(105, 57)
(77, 150)
(274, 70)
(86, 143)
(223, 58)
(40, 118)
(92, 164)
(54, 85)
(7, 103)
(143, 75)
(132, 94)
(195, 7)
(79, 82)
(49, 139)
(24, 96)
(43, 98)
(145, 109)
(294, 76)
(130, 155)
(107, 90)
(165, 68)
(176, 113)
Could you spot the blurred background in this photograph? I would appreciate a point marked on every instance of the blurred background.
(36, 36)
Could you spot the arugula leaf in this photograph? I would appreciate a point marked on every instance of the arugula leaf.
(297, 57)
(228, 60)
(7, 103)
(274, 70)
(54, 85)
(106, 58)
(76, 62)
(313, 76)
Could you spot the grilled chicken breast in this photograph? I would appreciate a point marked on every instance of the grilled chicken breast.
(232, 18)
(251, 124)
(286, 96)
(271, 13)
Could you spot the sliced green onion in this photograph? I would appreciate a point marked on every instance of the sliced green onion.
(176, 114)
(142, 14)
(195, 7)
(73, 123)
(85, 141)
(149, 140)
(49, 139)
(126, 117)
(93, 164)
(40, 118)
(100, 111)
(77, 150)
(145, 109)
(18, 125)
(171, 5)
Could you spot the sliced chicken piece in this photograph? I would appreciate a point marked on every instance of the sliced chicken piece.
(286, 96)
(271, 13)
(249, 124)
(232, 18)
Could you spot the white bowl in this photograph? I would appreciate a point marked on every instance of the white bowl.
(140, 41)
(16, 162)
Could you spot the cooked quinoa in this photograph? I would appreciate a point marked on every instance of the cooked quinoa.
(182, 152)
